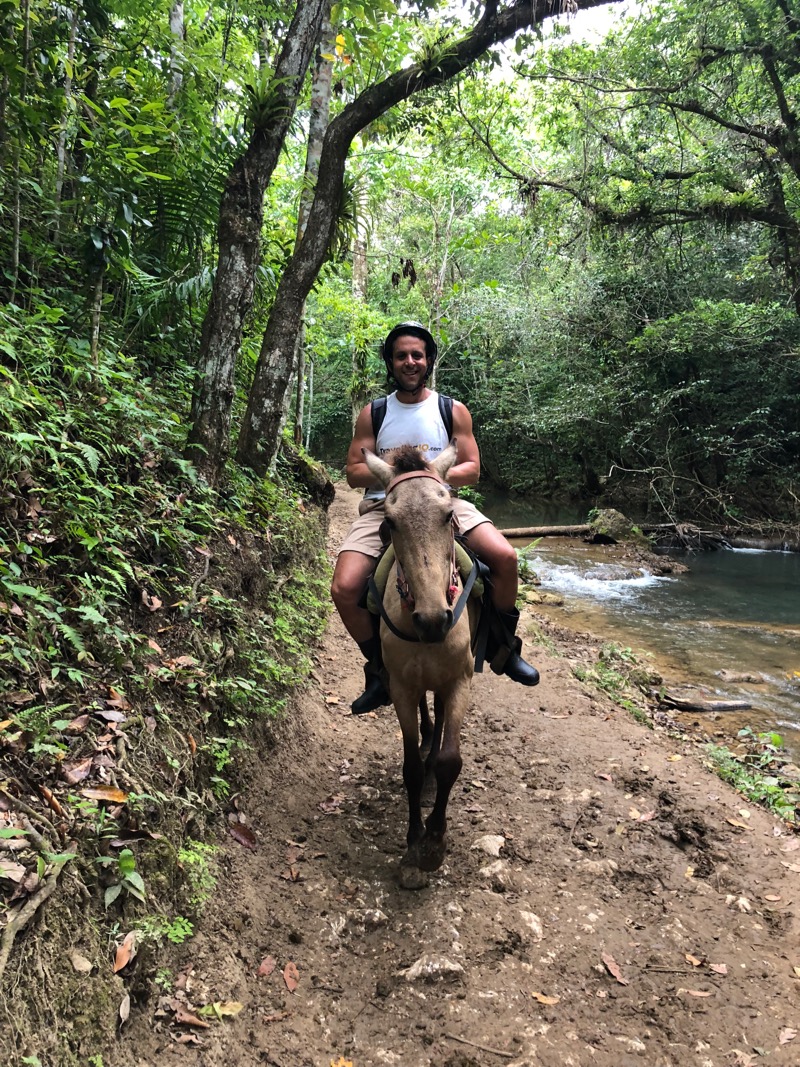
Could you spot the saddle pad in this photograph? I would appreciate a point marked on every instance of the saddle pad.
(386, 563)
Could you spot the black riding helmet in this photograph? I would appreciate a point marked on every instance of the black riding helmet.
(417, 330)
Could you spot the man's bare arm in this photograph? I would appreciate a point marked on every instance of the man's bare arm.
(467, 470)
(358, 474)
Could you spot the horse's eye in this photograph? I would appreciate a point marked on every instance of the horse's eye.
(448, 517)
(390, 523)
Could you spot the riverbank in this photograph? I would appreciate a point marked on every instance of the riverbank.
(606, 898)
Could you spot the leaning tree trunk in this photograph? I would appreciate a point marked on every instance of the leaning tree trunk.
(321, 87)
(239, 236)
(260, 434)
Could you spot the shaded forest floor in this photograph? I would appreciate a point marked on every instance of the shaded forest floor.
(606, 899)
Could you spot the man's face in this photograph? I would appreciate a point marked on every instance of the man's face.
(409, 361)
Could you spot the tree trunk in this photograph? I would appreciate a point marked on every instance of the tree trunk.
(259, 438)
(16, 198)
(319, 117)
(61, 149)
(178, 32)
(239, 237)
(360, 351)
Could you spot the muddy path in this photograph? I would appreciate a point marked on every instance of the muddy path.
(606, 900)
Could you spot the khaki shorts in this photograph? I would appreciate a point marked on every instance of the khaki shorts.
(364, 535)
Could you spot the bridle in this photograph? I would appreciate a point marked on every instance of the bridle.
(403, 590)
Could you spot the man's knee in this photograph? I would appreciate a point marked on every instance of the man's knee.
(498, 555)
(348, 583)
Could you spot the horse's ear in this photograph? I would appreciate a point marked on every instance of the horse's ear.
(445, 460)
(382, 471)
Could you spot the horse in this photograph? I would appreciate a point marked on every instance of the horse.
(425, 640)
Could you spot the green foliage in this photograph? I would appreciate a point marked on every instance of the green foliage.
(126, 878)
(198, 861)
(621, 674)
(756, 772)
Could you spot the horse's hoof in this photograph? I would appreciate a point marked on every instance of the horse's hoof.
(412, 877)
(431, 853)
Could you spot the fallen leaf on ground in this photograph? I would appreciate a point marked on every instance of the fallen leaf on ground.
(544, 999)
(718, 968)
(267, 966)
(791, 866)
(741, 825)
(184, 1017)
(244, 835)
(791, 846)
(341, 1062)
(105, 792)
(19, 697)
(79, 962)
(695, 962)
(613, 969)
(220, 1008)
(291, 874)
(115, 699)
(125, 952)
(14, 872)
(697, 992)
(674, 759)
(331, 700)
(331, 804)
(76, 772)
(786, 1035)
(605, 777)
(78, 724)
(291, 976)
(125, 1008)
(773, 898)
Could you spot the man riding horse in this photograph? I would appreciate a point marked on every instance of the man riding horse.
(415, 415)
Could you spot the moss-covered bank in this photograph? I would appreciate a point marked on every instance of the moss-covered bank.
(151, 631)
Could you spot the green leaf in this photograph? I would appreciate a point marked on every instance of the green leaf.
(126, 862)
(8, 832)
(112, 893)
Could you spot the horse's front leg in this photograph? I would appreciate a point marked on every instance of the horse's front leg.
(413, 767)
(429, 853)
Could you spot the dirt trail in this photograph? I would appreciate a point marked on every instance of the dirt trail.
(634, 914)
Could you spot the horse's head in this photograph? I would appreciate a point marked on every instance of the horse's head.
(419, 514)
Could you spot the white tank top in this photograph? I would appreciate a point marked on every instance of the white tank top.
(419, 425)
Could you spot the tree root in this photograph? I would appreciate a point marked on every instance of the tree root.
(26, 913)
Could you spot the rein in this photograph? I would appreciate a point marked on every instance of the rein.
(406, 598)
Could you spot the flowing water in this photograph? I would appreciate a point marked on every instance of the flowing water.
(735, 610)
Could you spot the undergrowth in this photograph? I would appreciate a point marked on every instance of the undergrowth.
(150, 630)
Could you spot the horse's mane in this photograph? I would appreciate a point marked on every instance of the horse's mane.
(406, 459)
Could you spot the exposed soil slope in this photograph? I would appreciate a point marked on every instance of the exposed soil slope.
(633, 914)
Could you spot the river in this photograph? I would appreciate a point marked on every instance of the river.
(735, 610)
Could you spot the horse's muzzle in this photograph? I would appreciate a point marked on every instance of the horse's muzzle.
(433, 627)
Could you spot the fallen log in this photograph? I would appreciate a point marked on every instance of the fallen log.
(669, 534)
(697, 704)
(548, 531)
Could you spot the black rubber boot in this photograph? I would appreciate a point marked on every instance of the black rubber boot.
(507, 659)
(375, 694)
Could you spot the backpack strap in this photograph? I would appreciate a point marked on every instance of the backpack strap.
(446, 411)
(378, 412)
